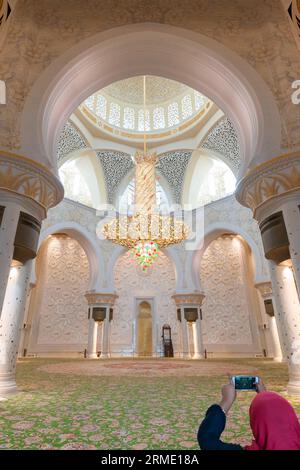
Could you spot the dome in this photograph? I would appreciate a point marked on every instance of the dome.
(171, 107)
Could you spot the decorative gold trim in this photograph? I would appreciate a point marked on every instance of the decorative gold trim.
(29, 178)
(99, 298)
(271, 179)
(265, 289)
(189, 299)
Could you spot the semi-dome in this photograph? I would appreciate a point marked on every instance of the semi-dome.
(171, 107)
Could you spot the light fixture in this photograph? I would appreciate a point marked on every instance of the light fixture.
(146, 230)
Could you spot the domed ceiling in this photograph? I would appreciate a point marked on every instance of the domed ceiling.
(171, 108)
(158, 90)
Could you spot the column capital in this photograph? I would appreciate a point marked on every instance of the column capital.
(193, 298)
(271, 179)
(30, 179)
(100, 298)
(265, 289)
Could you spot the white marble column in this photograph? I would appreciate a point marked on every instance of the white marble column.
(11, 322)
(7, 237)
(197, 336)
(92, 339)
(288, 321)
(277, 352)
(272, 339)
(105, 336)
(184, 335)
(291, 216)
(196, 354)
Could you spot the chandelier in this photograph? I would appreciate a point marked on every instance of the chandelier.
(146, 230)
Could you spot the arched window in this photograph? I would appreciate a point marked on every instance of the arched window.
(173, 114)
(101, 106)
(159, 118)
(74, 184)
(114, 114)
(128, 119)
(127, 198)
(143, 122)
(186, 106)
(199, 100)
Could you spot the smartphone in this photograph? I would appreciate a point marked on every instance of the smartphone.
(245, 382)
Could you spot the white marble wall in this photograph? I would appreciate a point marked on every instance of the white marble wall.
(59, 320)
(133, 285)
(229, 314)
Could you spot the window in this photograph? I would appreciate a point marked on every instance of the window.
(101, 105)
(186, 106)
(199, 100)
(127, 198)
(173, 114)
(159, 118)
(74, 184)
(141, 120)
(128, 119)
(114, 114)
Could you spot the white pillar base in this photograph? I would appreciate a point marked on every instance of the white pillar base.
(104, 356)
(92, 356)
(278, 359)
(8, 385)
(198, 356)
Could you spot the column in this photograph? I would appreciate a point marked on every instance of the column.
(105, 336)
(27, 191)
(189, 304)
(291, 216)
(184, 334)
(276, 341)
(7, 236)
(288, 321)
(272, 191)
(265, 292)
(92, 338)
(11, 322)
(198, 344)
(100, 304)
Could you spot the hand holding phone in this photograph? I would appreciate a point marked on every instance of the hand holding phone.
(245, 382)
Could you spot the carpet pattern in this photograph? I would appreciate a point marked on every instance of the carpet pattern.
(125, 404)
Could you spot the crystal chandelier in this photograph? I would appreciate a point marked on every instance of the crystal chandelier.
(146, 230)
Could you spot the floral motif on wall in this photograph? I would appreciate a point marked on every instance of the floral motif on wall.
(223, 139)
(130, 282)
(62, 315)
(226, 307)
(39, 32)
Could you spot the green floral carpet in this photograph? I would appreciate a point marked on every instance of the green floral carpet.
(123, 410)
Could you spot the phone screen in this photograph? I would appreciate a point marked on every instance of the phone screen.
(243, 382)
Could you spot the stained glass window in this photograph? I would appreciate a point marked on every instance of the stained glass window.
(128, 119)
(114, 114)
(159, 118)
(173, 114)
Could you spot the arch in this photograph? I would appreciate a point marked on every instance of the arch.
(211, 232)
(90, 246)
(154, 49)
(171, 254)
(144, 328)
